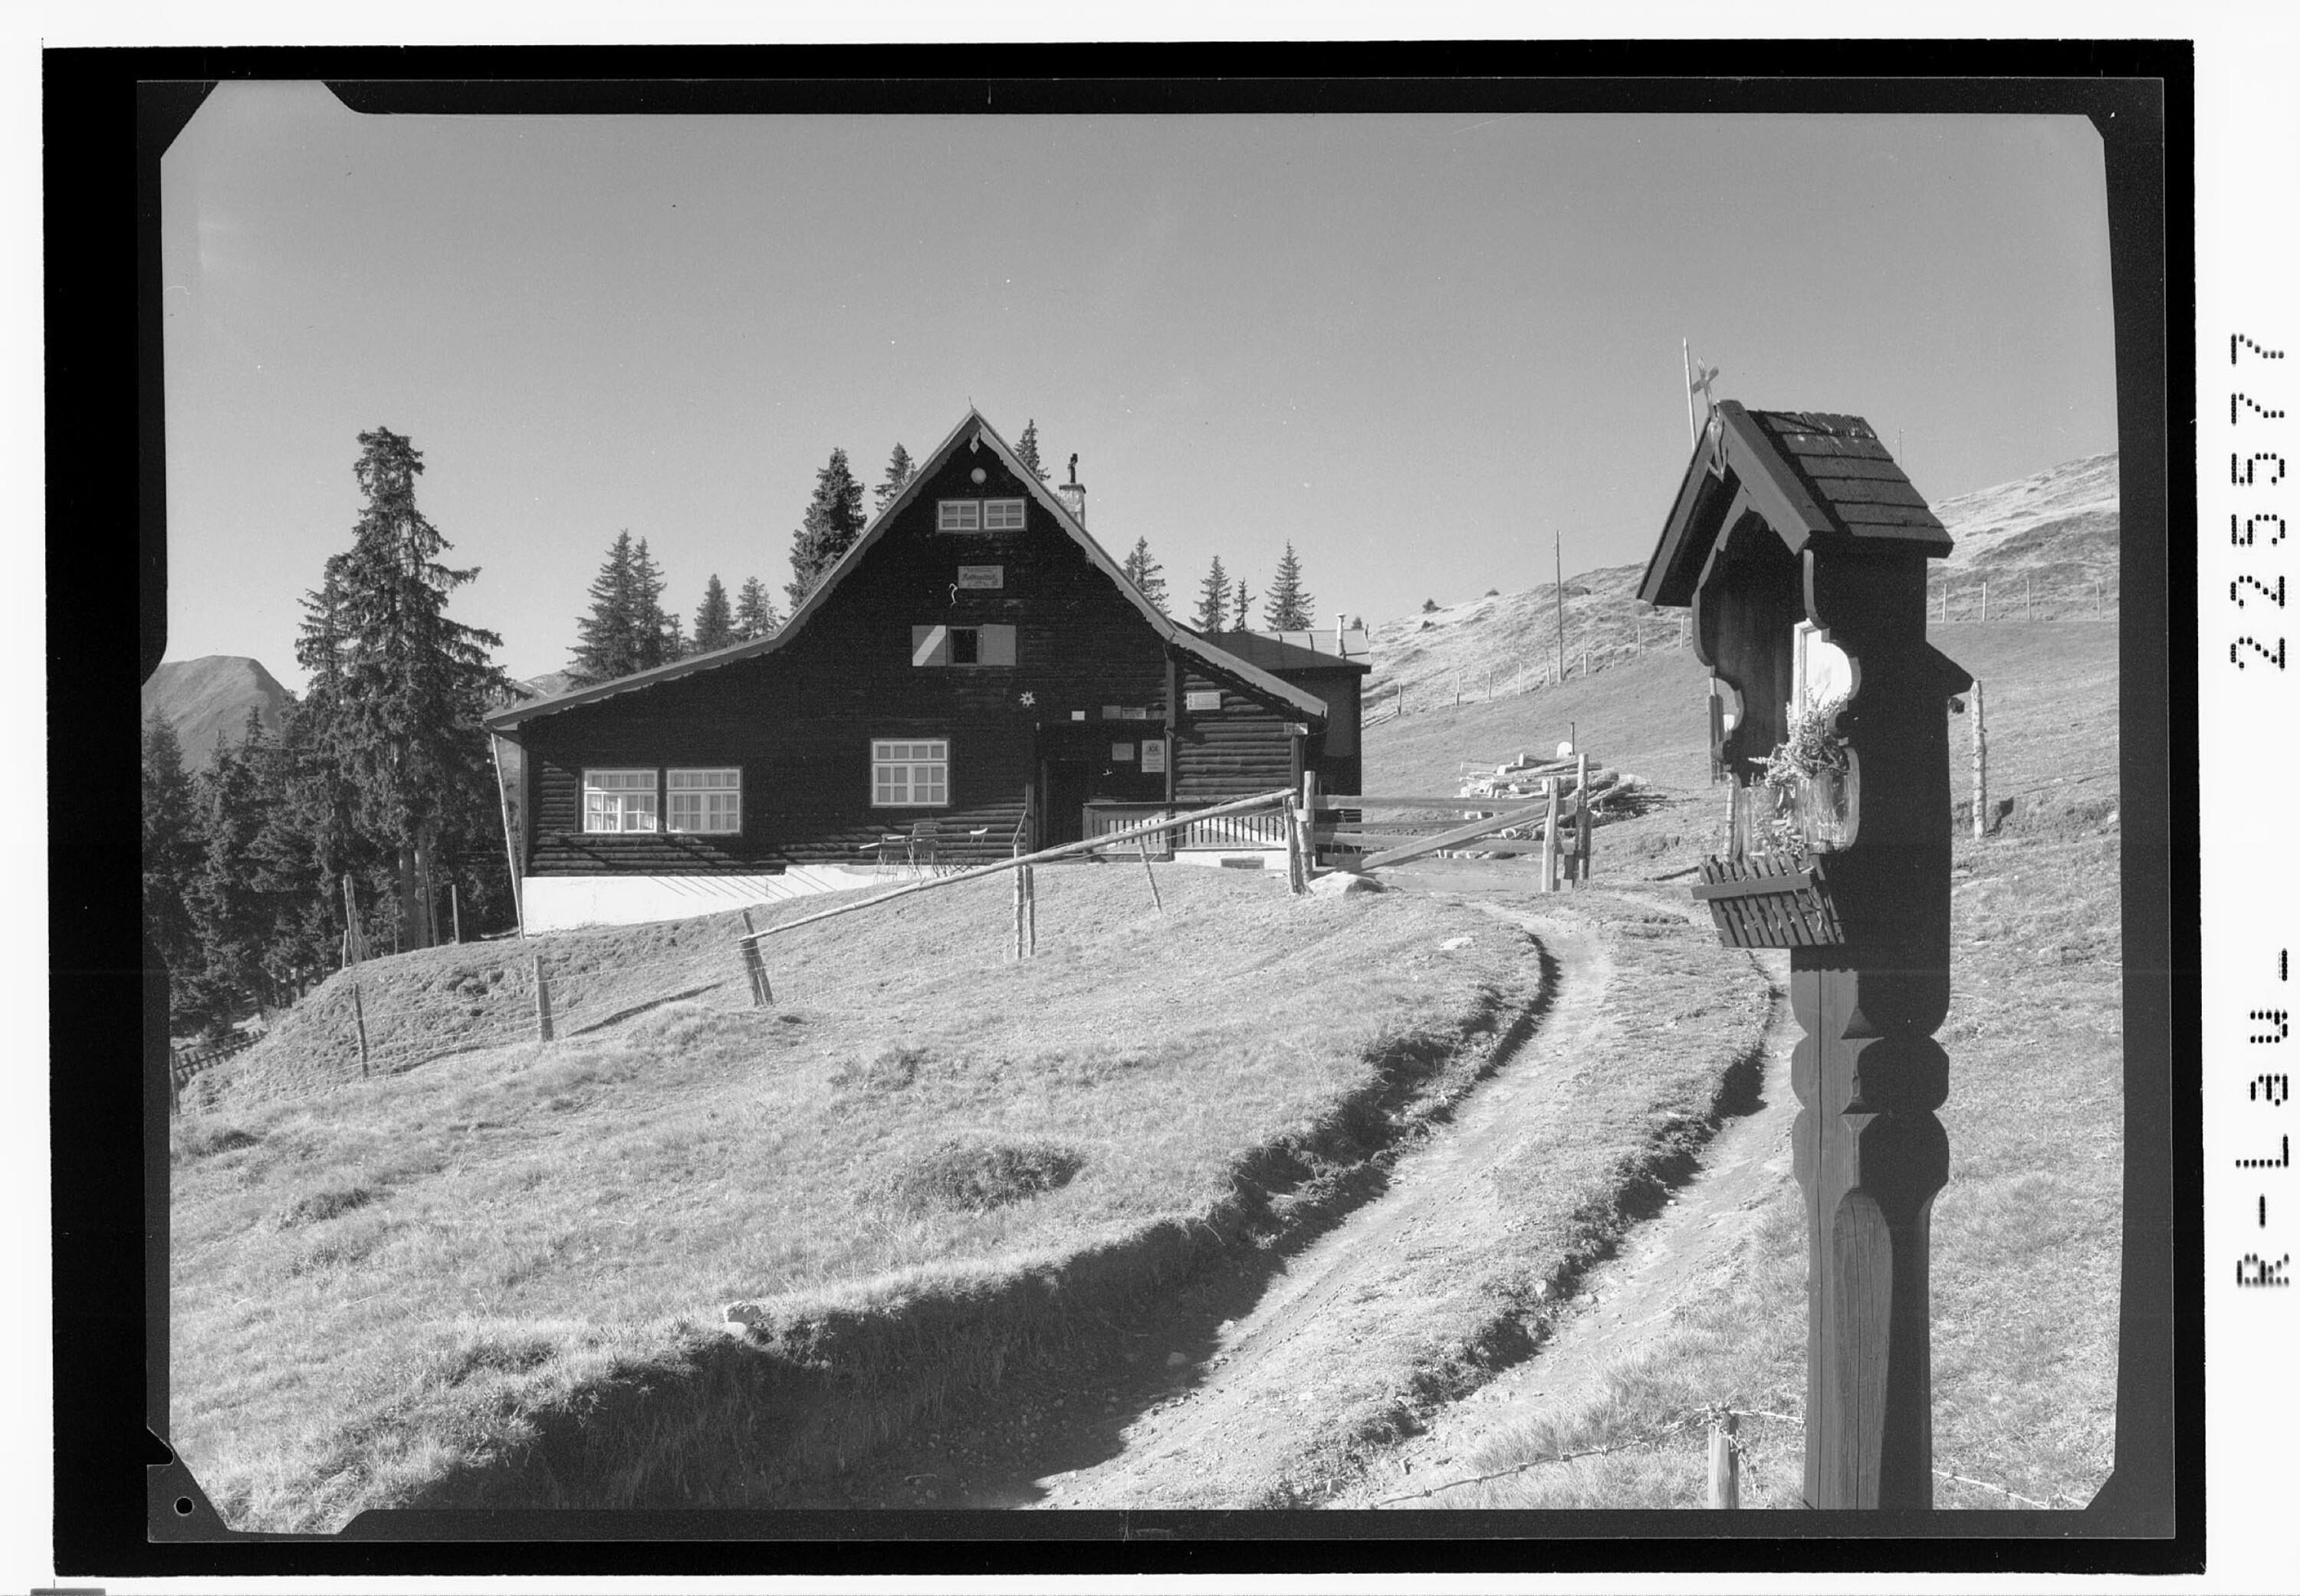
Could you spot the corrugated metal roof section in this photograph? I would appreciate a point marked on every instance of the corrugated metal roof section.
(1278, 652)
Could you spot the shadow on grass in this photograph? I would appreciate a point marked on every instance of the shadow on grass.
(1070, 1411)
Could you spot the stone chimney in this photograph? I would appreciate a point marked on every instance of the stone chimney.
(1073, 493)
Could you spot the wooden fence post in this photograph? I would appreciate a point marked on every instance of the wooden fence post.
(1979, 767)
(1724, 1463)
(1582, 820)
(1309, 824)
(359, 1018)
(542, 1004)
(1984, 598)
(1019, 890)
(1030, 873)
(1142, 850)
(353, 951)
(754, 966)
(455, 909)
(1549, 838)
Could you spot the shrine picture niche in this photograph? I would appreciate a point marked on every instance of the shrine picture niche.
(1801, 549)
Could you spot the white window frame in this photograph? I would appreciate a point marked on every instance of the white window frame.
(711, 794)
(632, 807)
(981, 515)
(896, 766)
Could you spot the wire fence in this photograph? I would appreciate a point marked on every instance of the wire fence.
(1718, 1423)
(367, 1025)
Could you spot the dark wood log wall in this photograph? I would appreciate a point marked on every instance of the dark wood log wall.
(1245, 746)
(798, 721)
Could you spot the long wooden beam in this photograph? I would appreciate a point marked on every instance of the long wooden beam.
(1269, 800)
(1459, 835)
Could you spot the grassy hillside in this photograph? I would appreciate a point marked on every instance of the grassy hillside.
(202, 697)
(2025, 1237)
(2050, 704)
(2055, 531)
(394, 1291)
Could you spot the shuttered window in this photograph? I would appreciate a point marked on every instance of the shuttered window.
(962, 645)
(1002, 515)
(619, 801)
(710, 802)
(910, 774)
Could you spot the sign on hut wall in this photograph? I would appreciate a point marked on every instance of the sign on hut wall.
(981, 575)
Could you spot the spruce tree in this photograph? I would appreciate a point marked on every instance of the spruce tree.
(714, 619)
(655, 635)
(1146, 574)
(1289, 609)
(172, 846)
(1214, 593)
(228, 913)
(404, 719)
(1025, 450)
(832, 522)
(900, 470)
(1241, 608)
(607, 640)
(755, 611)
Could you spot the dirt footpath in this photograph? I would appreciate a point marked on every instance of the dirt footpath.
(1230, 1440)
(1227, 1397)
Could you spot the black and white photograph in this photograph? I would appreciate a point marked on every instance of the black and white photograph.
(909, 818)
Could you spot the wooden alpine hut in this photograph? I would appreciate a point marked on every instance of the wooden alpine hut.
(974, 674)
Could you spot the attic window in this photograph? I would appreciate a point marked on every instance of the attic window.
(978, 515)
(962, 645)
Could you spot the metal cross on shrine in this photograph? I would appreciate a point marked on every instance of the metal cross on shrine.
(1801, 549)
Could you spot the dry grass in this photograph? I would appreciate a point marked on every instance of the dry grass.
(2025, 1237)
(400, 1281)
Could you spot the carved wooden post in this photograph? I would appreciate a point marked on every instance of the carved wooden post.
(1787, 518)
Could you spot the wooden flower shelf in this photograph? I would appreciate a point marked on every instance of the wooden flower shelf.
(1767, 901)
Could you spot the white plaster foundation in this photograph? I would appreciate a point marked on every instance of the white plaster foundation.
(570, 902)
(565, 902)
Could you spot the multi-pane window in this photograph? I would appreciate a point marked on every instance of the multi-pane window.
(978, 515)
(704, 800)
(619, 801)
(909, 774)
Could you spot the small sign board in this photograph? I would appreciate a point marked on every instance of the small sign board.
(1153, 756)
(981, 575)
(1122, 753)
(1203, 700)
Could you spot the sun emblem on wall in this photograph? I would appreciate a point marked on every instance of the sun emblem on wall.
(1030, 700)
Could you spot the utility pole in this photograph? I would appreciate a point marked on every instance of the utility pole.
(1557, 548)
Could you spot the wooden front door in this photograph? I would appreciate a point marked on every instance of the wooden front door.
(1066, 783)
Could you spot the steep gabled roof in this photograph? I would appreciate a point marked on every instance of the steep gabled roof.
(1810, 475)
(972, 428)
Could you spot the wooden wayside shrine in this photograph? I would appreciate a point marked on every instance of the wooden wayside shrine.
(1801, 549)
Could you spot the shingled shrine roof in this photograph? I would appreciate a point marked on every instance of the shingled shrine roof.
(1810, 475)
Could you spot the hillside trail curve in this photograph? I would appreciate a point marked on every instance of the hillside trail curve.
(1213, 1400)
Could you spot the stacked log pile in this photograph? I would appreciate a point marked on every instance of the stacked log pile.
(1521, 780)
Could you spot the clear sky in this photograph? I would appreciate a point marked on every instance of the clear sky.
(1415, 345)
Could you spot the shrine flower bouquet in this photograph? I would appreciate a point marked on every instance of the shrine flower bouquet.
(1811, 778)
